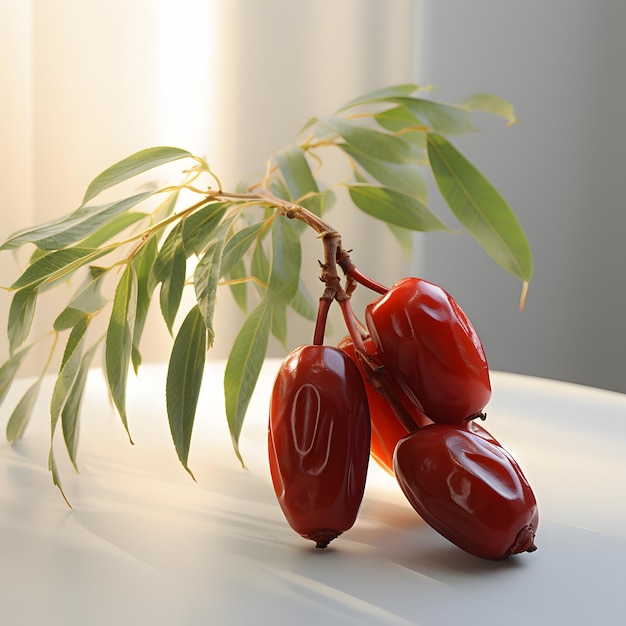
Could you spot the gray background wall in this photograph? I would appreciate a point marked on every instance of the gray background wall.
(563, 64)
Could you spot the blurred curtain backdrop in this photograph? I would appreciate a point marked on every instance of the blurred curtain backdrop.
(85, 83)
(88, 83)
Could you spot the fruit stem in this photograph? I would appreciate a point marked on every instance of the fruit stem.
(352, 326)
(377, 377)
(334, 254)
(350, 269)
(322, 316)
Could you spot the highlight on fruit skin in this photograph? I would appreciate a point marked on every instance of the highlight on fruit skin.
(319, 441)
(469, 489)
(430, 349)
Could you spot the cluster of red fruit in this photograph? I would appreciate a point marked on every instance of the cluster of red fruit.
(407, 389)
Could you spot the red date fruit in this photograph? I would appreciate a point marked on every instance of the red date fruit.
(318, 441)
(387, 430)
(429, 347)
(468, 489)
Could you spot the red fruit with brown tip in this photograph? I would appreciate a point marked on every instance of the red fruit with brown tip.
(431, 350)
(469, 489)
(318, 441)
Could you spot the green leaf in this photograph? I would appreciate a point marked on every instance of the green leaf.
(56, 478)
(303, 303)
(284, 276)
(112, 228)
(369, 141)
(239, 290)
(143, 262)
(21, 315)
(22, 412)
(480, 208)
(279, 325)
(71, 409)
(199, 228)
(184, 379)
(119, 340)
(444, 118)
(243, 368)
(237, 246)
(9, 370)
(133, 165)
(88, 299)
(69, 229)
(170, 269)
(56, 265)
(260, 267)
(494, 105)
(70, 364)
(383, 95)
(394, 207)
(296, 171)
(405, 178)
(206, 277)
(399, 120)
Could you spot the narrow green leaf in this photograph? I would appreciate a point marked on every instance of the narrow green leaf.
(70, 364)
(383, 95)
(71, 409)
(113, 228)
(21, 315)
(119, 340)
(199, 228)
(402, 177)
(284, 276)
(22, 413)
(237, 246)
(55, 265)
(88, 299)
(184, 379)
(9, 370)
(69, 229)
(303, 303)
(394, 207)
(260, 267)
(402, 121)
(205, 279)
(369, 141)
(279, 325)
(297, 174)
(480, 208)
(239, 290)
(494, 105)
(243, 367)
(143, 262)
(133, 165)
(167, 206)
(56, 478)
(445, 118)
(170, 268)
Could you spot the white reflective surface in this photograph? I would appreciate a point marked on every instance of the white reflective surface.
(145, 544)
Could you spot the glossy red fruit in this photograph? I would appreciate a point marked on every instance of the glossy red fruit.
(429, 347)
(468, 489)
(318, 441)
(387, 429)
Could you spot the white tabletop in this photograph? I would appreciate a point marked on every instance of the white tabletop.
(144, 544)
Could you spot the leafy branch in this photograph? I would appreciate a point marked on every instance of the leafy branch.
(157, 240)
